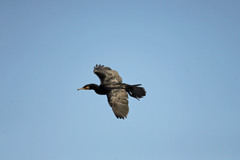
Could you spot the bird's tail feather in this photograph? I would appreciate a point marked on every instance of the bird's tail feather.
(135, 91)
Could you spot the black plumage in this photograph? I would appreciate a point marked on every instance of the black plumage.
(116, 91)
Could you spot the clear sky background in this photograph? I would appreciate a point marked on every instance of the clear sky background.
(186, 53)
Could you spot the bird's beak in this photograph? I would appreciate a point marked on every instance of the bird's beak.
(84, 88)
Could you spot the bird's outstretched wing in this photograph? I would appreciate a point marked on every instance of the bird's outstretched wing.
(107, 75)
(118, 100)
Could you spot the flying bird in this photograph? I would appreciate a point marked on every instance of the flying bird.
(116, 91)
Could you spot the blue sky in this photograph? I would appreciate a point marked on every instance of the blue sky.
(185, 53)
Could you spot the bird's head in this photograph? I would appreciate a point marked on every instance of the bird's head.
(87, 87)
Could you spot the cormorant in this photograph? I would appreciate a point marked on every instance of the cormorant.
(116, 91)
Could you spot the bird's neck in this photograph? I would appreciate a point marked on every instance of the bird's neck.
(98, 89)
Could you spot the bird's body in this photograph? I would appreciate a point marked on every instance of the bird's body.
(116, 91)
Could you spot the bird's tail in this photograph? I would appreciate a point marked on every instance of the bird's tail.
(135, 91)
